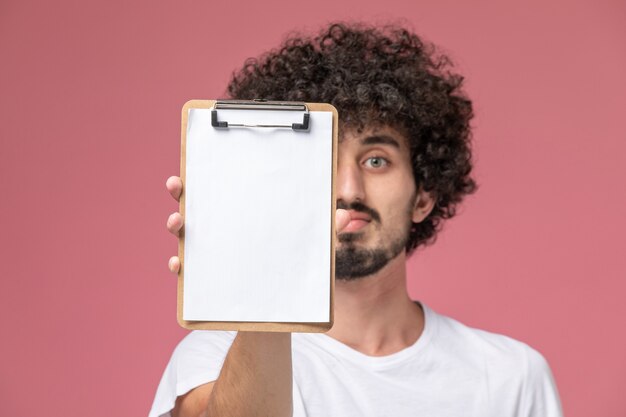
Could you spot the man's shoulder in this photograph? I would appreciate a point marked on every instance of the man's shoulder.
(486, 350)
(511, 368)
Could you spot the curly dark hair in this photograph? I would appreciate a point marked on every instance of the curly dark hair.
(379, 76)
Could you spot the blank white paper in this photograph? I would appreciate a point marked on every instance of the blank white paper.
(257, 218)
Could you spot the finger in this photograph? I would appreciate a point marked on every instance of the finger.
(174, 223)
(174, 264)
(342, 218)
(175, 187)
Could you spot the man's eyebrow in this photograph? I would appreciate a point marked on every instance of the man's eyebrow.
(380, 139)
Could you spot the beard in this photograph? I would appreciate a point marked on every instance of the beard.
(353, 262)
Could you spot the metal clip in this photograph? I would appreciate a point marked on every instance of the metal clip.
(260, 105)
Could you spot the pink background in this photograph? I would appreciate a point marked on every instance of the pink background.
(90, 98)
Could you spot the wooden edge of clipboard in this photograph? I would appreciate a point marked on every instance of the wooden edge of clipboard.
(253, 326)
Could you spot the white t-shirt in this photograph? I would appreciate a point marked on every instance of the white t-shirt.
(451, 370)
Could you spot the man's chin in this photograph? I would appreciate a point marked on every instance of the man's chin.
(353, 260)
(353, 263)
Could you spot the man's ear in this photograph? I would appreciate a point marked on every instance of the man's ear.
(424, 204)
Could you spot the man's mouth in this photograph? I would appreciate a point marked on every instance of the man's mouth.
(358, 221)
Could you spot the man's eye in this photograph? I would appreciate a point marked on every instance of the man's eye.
(376, 162)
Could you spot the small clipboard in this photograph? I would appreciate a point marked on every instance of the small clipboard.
(257, 249)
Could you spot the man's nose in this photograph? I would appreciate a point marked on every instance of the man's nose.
(349, 183)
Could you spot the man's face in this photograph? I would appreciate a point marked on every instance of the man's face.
(375, 183)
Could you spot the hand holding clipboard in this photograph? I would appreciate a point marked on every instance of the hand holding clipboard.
(221, 151)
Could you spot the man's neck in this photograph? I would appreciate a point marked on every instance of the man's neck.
(375, 315)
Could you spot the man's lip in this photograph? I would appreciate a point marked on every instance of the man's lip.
(355, 225)
(359, 215)
(358, 220)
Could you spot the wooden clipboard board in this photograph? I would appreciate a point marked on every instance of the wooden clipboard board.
(308, 115)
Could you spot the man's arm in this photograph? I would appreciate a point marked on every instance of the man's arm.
(256, 377)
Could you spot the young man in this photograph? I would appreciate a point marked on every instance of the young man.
(404, 164)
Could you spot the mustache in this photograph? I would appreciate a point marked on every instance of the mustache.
(357, 206)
